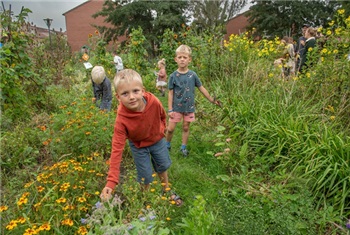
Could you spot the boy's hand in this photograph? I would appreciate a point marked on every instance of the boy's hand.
(106, 194)
(217, 102)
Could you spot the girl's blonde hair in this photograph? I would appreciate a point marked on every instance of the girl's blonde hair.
(98, 74)
(126, 76)
(184, 49)
(161, 62)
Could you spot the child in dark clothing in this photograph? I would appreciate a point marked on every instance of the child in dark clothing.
(102, 88)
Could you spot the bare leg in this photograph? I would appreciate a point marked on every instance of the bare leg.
(185, 132)
(170, 131)
(164, 179)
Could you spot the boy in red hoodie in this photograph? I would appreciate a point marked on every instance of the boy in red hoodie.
(141, 119)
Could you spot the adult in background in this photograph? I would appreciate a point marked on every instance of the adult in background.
(102, 88)
(299, 49)
(286, 61)
(118, 62)
(310, 43)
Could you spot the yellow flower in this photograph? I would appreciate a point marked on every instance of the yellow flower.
(331, 23)
(341, 11)
(61, 200)
(68, 222)
(88, 133)
(3, 208)
(332, 118)
(81, 199)
(152, 190)
(329, 32)
(21, 220)
(82, 230)
(11, 225)
(22, 201)
(45, 227)
(168, 218)
(27, 185)
(30, 231)
(37, 205)
(40, 188)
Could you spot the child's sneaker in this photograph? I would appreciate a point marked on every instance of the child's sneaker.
(184, 152)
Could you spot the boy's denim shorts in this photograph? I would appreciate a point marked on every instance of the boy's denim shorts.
(156, 155)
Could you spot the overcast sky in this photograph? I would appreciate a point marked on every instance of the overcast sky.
(52, 9)
(43, 9)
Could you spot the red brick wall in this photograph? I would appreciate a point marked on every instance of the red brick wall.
(236, 25)
(79, 23)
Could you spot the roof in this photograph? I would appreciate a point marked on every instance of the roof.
(76, 7)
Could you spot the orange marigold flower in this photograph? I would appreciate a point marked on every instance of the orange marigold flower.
(40, 188)
(96, 32)
(82, 230)
(45, 227)
(3, 208)
(90, 35)
(81, 199)
(68, 222)
(21, 220)
(175, 36)
(88, 133)
(22, 200)
(11, 225)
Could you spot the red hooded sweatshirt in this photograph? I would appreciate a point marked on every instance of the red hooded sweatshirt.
(142, 128)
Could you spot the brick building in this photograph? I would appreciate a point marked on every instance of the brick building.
(236, 25)
(79, 23)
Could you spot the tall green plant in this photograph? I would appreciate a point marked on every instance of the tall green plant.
(20, 85)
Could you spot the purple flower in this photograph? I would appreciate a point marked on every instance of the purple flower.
(150, 227)
(130, 227)
(98, 205)
(152, 217)
(83, 221)
(143, 219)
(348, 224)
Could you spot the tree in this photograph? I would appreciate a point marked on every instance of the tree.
(210, 15)
(152, 16)
(279, 18)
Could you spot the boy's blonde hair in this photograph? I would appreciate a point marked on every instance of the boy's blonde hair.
(184, 49)
(126, 76)
(98, 74)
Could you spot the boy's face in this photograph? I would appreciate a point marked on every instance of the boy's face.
(130, 95)
(182, 60)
